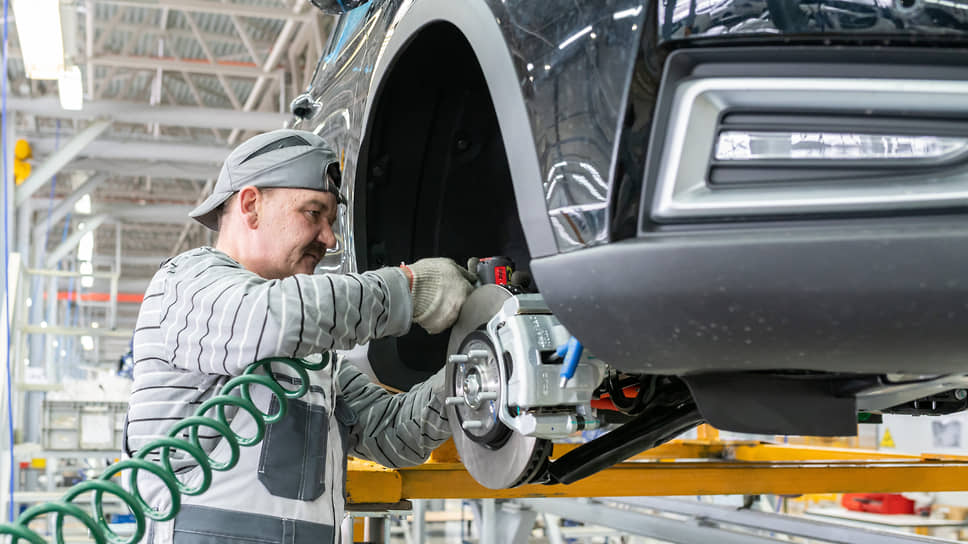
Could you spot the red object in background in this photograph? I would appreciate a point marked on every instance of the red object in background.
(878, 503)
(98, 297)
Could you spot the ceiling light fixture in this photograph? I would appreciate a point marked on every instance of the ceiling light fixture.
(70, 89)
(41, 39)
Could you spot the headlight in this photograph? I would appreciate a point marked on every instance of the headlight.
(817, 146)
(743, 147)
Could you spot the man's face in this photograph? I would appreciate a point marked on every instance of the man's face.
(296, 229)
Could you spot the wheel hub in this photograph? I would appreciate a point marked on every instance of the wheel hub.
(477, 381)
(494, 455)
(472, 388)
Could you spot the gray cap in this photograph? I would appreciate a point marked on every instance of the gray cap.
(282, 158)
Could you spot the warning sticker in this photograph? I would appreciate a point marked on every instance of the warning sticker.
(887, 441)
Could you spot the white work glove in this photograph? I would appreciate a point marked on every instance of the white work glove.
(438, 289)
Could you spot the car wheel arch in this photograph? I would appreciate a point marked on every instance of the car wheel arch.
(387, 226)
(476, 24)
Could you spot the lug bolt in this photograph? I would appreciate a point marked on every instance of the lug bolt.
(457, 358)
(487, 395)
(478, 354)
(471, 424)
(450, 401)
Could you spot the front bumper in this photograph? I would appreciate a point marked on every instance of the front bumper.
(876, 295)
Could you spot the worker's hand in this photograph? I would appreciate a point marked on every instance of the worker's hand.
(438, 288)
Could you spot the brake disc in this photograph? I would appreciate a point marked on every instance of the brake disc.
(496, 456)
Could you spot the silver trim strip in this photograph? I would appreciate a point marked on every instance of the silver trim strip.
(893, 394)
(683, 190)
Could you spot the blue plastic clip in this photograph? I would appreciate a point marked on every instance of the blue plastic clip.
(572, 354)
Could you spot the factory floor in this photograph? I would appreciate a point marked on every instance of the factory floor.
(452, 522)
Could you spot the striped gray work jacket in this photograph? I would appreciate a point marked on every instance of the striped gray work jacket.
(205, 319)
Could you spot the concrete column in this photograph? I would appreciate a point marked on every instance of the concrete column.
(419, 528)
(346, 530)
(488, 525)
(376, 530)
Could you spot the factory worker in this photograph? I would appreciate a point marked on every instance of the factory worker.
(211, 312)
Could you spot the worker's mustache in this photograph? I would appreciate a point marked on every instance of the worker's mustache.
(317, 249)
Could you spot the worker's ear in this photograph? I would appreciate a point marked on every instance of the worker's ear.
(249, 205)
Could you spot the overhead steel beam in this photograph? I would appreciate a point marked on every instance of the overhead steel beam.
(155, 98)
(666, 529)
(300, 46)
(154, 169)
(211, 37)
(149, 213)
(201, 6)
(111, 24)
(187, 78)
(809, 528)
(277, 50)
(130, 260)
(275, 54)
(246, 40)
(89, 45)
(211, 58)
(67, 204)
(141, 150)
(71, 242)
(137, 112)
(58, 159)
(196, 66)
(125, 50)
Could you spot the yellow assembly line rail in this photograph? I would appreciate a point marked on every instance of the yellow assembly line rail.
(682, 467)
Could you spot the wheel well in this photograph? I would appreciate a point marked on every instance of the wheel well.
(435, 180)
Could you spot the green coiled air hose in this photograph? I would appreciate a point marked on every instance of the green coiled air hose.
(96, 523)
